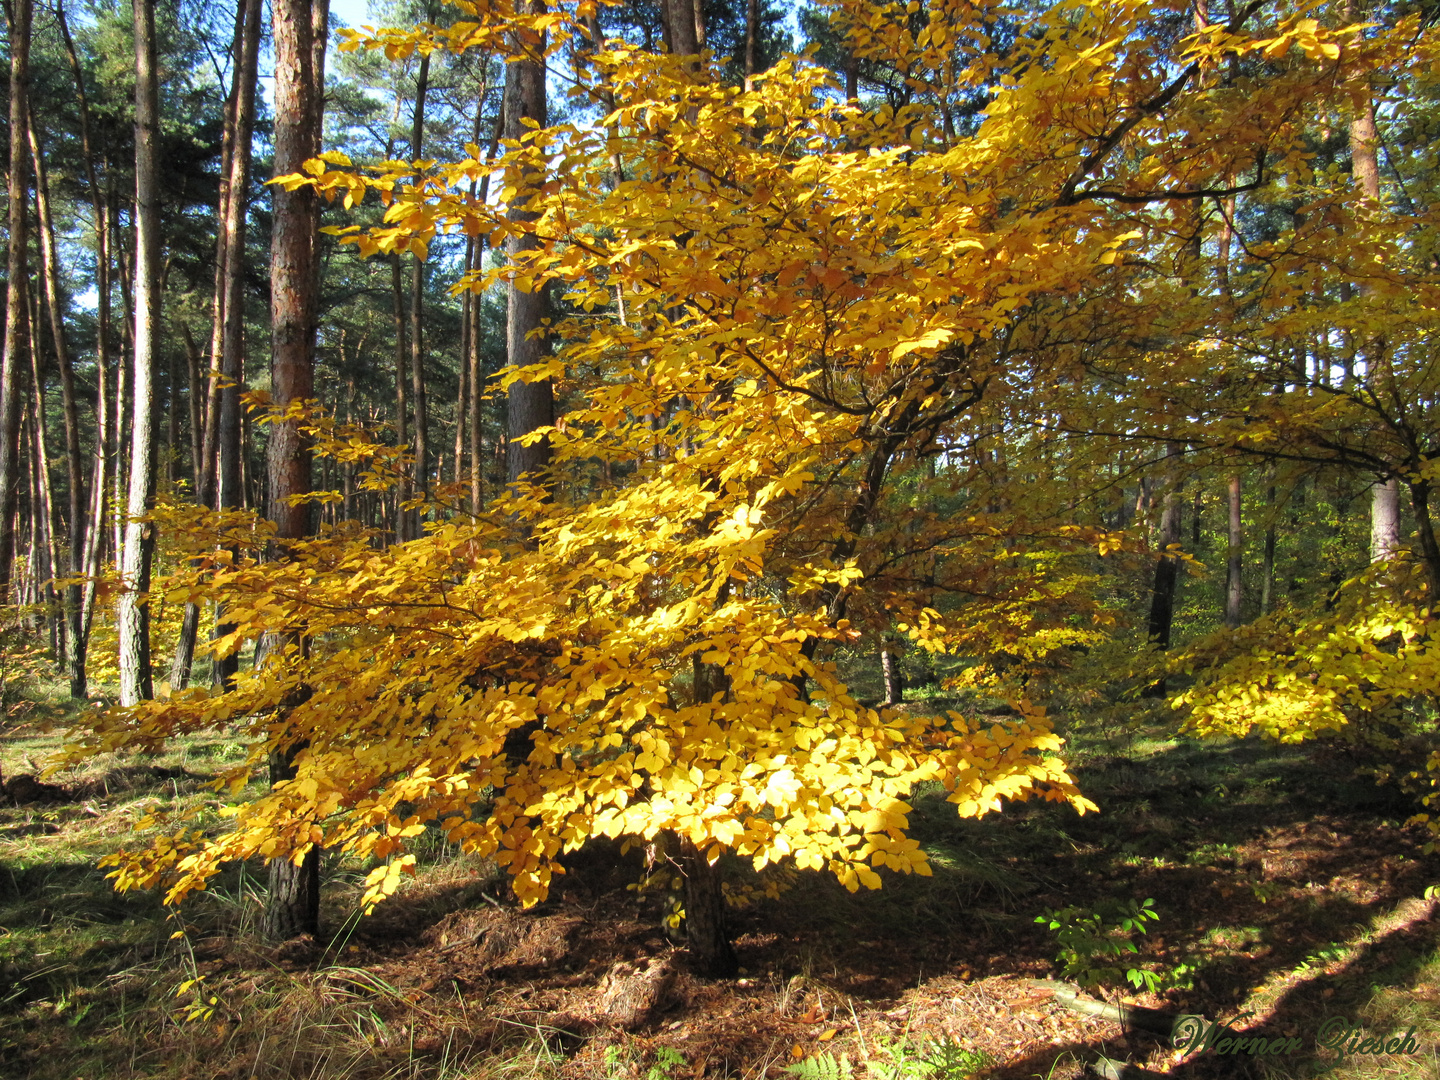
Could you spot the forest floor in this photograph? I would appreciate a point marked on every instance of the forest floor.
(1289, 892)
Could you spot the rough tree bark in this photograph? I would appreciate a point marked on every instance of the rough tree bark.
(1365, 169)
(94, 533)
(133, 611)
(417, 311)
(74, 464)
(17, 304)
(221, 437)
(300, 32)
(529, 405)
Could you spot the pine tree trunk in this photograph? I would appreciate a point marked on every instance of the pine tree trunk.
(133, 610)
(752, 33)
(74, 463)
(1167, 568)
(417, 313)
(475, 420)
(224, 443)
(1234, 582)
(1365, 169)
(17, 304)
(299, 32)
(402, 418)
(530, 405)
(206, 481)
(462, 369)
(95, 525)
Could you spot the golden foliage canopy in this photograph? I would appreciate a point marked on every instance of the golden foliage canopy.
(778, 305)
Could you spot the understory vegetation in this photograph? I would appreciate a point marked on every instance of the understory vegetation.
(1286, 888)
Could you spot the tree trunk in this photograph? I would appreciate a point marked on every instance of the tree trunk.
(42, 502)
(1167, 568)
(707, 942)
(1267, 574)
(683, 38)
(1384, 520)
(94, 532)
(475, 418)
(752, 33)
(1234, 585)
(402, 418)
(890, 667)
(417, 313)
(299, 31)
(133, 610)
(462, 369)
(120, 413)
(1365, 169)
(205, 464)
(17, 304)
(224, 442)
(74, 464)
(530, 405)
(293, 907)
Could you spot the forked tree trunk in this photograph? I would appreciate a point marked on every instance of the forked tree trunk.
(300, 32)
(133, 610)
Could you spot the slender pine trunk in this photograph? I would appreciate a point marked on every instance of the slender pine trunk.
(17, 305)
(300, 31)
(133, 609)
(530, 405)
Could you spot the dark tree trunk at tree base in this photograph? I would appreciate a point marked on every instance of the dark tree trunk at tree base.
(707, 942)
(293, 907)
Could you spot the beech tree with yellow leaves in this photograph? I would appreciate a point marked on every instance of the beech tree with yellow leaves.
(789, 328)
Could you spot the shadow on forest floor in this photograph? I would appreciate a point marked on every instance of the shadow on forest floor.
(1287, 889)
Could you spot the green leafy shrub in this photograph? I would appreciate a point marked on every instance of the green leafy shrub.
(1092, 941)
